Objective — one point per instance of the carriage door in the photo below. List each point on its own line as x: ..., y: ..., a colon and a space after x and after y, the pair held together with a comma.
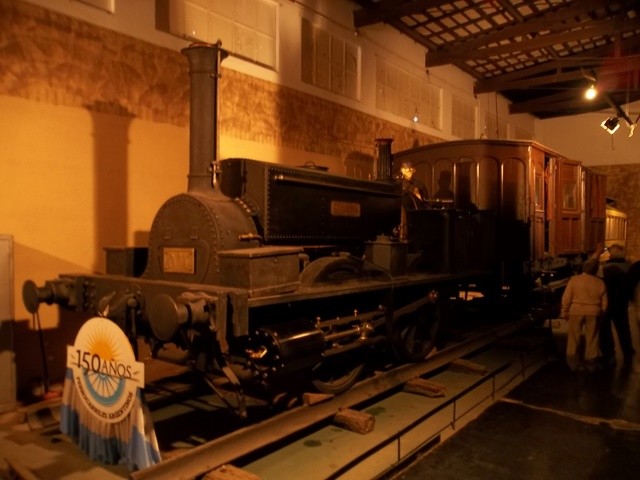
x: 594, y: 209
x: 538, y: 207
x: 568, y: 233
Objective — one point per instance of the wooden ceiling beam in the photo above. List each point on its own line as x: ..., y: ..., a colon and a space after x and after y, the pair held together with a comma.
x: 554, y: 47
x: 590, y: 30
x: 508, y: 6
x: 572, y: 100
x: 549, y: 68
x: 553, y: 21
x: 540, y: 81
x: 560, y: 20
x: 576, y: 104
x: 409, y: 32
x: 602, y: 70
x: 554, y: 98
x: 389, y: 10
x: 557, y: 20
x: 569, y: 105
x: 598, y: 58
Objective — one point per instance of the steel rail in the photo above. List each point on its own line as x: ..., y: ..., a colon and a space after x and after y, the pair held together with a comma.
x: 226, y: 449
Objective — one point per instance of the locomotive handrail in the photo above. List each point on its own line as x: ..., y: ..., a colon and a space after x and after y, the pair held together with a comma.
x: 317, y: 183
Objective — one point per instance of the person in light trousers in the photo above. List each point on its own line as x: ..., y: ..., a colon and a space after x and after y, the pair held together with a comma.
x: 584, y: 301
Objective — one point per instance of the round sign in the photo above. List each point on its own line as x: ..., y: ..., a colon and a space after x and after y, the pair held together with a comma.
x: 105, y: 372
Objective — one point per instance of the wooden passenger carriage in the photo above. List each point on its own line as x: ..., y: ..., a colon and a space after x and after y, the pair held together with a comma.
x: 558, y: 203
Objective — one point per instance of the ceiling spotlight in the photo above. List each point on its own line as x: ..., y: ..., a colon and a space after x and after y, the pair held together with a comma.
x: 611, y: 124
x: 591, y: 92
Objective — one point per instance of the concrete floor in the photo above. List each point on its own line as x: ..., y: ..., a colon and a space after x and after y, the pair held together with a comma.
x: 558, y: 424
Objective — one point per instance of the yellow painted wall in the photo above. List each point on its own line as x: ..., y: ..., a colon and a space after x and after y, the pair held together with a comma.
x: 69, y: 177
x: 69, y: 180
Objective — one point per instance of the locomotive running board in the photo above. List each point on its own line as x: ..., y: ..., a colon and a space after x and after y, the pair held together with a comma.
x: 228, y: 448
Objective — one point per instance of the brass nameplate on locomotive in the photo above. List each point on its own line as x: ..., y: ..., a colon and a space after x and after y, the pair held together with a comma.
x: 345, y: 209
x: 179, y: 260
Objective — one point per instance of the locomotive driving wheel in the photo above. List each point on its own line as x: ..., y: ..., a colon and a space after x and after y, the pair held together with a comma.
x: 336, y: 373
x: 331, y: 270
x: 340, y: 269
x: 414, y: 328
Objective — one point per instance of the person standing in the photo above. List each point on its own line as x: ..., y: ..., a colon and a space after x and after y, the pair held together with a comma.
x: 619, y: 291
x: 583, y: 302
x: 415, y: 193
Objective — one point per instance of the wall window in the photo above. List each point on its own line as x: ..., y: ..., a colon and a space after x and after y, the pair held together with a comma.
x: 408, y: 96
x: 329, y: 62
x: 463, y: 117
x: 246, y: 28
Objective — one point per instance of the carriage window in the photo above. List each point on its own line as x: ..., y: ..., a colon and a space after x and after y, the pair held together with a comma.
x: 424, y: 174
x: 513, y: 189
x: 488, y: 191
x: 465, y: 183
x: 442, y: 186
x: 569, y: 196
x: 538, y: 191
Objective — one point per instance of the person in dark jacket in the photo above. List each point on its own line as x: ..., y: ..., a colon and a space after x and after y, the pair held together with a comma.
x: 615, y: 275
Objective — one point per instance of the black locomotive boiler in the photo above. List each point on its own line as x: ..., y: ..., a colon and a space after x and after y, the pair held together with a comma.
x: 261, y: 272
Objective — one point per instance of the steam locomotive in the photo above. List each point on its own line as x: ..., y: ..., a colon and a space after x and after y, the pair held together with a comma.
x: 261, y: 272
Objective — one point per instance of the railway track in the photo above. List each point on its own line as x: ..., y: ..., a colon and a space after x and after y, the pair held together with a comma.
x: 201, y: 439
x: 273, y: 448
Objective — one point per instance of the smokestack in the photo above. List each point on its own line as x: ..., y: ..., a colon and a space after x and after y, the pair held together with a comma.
x: 383, y: 164
x: 204, y: 70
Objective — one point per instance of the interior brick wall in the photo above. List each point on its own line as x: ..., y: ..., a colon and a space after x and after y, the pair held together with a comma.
x: 49, y: 57
x: 52, y: 58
